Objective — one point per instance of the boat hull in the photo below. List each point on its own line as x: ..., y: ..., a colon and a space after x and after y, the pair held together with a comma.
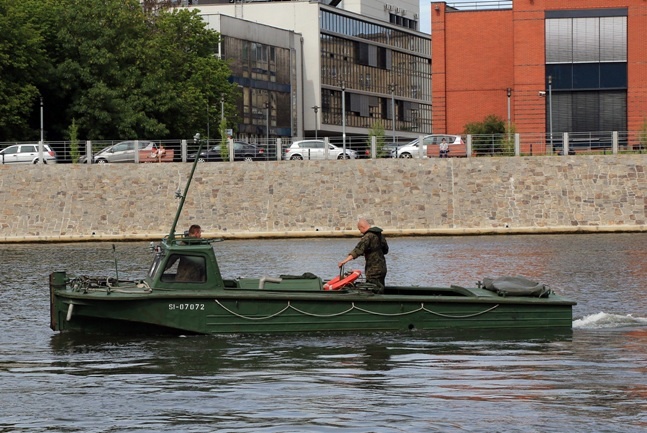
x: 244, y: 311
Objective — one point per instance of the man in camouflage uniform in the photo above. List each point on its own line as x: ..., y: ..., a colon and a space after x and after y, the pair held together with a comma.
x: 373, y: 247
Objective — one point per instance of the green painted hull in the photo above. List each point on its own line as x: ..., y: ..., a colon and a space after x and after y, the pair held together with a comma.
x: 236, y: 310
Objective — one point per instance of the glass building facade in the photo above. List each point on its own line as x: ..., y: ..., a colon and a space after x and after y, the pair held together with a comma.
x: 385, y: 73
x: 264, y: 75
x: 586, y: 68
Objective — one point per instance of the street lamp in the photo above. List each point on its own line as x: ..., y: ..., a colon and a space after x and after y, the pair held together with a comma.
x: 222, y: 107
x: 392, y: 88
x: 343, y: 116
x: 509, y: 90
x: 267, y: 120
x: 550, y: 109
x: 316, y: 109
x: 509, y: 94
x: 42, y: 135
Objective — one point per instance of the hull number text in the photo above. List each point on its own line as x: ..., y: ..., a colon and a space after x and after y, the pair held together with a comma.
x: 186, y: 307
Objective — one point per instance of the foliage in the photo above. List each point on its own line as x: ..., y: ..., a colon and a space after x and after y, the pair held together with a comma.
x: 74, y: 141
x: 642, y: 135
x: 224, y: 148
x: 487, y: 135
x: 507, y: 141
x: 119, y: 71
x: 21, y: 60
x: 377, y: 131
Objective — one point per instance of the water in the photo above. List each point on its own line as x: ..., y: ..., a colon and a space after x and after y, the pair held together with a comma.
x: 590, y: 380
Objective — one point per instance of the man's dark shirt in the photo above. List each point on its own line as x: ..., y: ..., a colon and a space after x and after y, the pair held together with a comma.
x: 373, y: 247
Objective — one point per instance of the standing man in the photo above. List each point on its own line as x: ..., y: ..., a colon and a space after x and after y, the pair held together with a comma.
x: 373, y: 247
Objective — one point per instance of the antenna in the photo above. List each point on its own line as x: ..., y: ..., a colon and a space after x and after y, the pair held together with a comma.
x: 171, y: 235
x: 114, y: 253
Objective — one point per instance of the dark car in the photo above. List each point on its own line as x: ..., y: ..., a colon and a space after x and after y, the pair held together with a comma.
x: 242, y: 152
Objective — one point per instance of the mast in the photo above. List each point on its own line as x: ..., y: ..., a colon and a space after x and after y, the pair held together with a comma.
x: 171, y: 235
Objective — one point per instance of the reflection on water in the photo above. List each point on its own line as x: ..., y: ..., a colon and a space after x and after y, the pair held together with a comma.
x: 443, y: 381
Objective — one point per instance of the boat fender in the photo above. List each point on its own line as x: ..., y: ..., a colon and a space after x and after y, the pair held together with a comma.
x: 338, y: 283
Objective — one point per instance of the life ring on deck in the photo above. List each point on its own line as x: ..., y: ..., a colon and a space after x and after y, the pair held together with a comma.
x: 338, y: 283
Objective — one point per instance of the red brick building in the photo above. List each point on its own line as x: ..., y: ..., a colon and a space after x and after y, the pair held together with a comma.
x: 594, y: 51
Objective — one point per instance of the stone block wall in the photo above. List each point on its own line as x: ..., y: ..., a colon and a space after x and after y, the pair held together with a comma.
x: 324, y: 198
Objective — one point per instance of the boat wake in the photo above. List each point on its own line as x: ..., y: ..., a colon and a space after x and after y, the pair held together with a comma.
x: 605, y: 320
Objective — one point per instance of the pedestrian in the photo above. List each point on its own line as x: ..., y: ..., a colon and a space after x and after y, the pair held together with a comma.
x: 444, y: 148
x: 373, y: 247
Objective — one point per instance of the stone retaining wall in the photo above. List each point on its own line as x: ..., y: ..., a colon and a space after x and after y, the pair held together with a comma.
x: 324, y: 198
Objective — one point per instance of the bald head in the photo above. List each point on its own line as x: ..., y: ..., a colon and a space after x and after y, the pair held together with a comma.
x: 363, y: 225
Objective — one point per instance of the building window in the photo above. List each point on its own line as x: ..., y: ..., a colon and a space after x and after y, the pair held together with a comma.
x: 586, y: 58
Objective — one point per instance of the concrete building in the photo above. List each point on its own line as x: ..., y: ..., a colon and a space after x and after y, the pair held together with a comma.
x: 309, y: 68
x: 560, y: 66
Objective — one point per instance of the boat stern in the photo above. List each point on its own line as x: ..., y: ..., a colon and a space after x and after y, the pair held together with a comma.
x: 57, y: 281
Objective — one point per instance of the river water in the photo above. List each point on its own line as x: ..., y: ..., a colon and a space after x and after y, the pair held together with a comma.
x: 591, y: 380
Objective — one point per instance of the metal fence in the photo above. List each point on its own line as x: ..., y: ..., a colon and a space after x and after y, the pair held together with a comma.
x: 491, y: 145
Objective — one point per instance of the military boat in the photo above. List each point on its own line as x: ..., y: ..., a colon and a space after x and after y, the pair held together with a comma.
x: 170, y: 300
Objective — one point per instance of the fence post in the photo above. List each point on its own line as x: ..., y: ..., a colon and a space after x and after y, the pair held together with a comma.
x: 183, y: 150
x: 468, y: 145
x: 373, y: 147
x: 89, y: 157
x: 421, y: 147
x: 565, y: 145
x: 327, y: 148
x: 517, y: 144
x: 136, y: 151
x: 279, y: 148
x: 230, y: 145
x: 614, y: 145
x: 40, y: 152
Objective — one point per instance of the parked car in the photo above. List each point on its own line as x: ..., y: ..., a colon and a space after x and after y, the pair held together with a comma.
x: 242, y: 152
x: 26, y: 154
x: 389, y: 148
x: 124, y: 151
x: 315, y: 149
x: 431, y: 147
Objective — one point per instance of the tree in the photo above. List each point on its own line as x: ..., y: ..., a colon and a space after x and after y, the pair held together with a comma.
x: 377, y: 130
x: 119, y: 72
x: 487, y: 135
x: 21, y: 60
x: 193, y: 78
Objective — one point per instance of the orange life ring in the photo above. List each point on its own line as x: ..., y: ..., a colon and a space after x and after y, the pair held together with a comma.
x: 338, y: 283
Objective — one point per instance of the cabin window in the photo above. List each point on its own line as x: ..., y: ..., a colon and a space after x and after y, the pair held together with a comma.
x: 155, y: 265
x: 185, y: 268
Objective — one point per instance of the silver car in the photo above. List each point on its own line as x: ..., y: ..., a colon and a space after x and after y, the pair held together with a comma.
x: 316, y: 149
x: 123, y: 151
x: 26, y: 154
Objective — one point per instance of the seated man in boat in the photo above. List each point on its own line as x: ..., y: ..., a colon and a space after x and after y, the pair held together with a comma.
x: 189, y: 268
x: 373, y: 247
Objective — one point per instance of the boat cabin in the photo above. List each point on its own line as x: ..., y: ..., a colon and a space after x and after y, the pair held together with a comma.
x: 185, y: 263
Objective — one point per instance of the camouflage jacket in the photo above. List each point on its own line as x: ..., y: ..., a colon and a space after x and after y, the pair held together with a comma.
x: 373, y: 247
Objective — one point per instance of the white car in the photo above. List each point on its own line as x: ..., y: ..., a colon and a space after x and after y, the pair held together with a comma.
x: 26, y: 154
x: 431, y: 147
x: 316, y: 149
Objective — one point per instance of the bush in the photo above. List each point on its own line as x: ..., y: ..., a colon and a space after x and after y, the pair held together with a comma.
x: 488, y: 136
x: 377, y: 131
